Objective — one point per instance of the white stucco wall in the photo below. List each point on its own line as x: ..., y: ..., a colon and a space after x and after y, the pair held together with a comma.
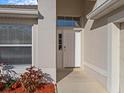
x: 101, y: 53
x: 101, y: 49
x: 96, y: 47
x: 46, y: 37
x: 95, y: 53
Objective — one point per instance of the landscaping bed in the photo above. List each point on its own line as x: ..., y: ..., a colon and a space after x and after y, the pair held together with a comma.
x: 47, y: 88
x: 32, y: 81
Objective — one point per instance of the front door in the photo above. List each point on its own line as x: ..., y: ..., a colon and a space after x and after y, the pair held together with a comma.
x: 68, y: 48
x: 65, y: 47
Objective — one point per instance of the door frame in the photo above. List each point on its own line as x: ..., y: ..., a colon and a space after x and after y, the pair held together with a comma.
x: 75, y: 29
x: 62, y: 45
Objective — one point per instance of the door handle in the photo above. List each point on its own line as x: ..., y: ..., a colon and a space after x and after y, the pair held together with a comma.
x: 64, y: 48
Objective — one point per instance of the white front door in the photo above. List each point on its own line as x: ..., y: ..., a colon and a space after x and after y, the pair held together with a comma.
x: 68, y: 48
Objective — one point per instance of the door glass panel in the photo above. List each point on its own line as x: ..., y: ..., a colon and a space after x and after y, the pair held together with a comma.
x: 60, y: 41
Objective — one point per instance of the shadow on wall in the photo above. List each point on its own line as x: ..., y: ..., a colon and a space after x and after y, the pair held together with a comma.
x: 101, y: 22
x: 62, y: 73
x: 40, y: 16
x: 109, y: 18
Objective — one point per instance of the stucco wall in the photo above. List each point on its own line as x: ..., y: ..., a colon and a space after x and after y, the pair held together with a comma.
x: 101, y: 49
x: 96, y: 47
x: 95, y: 51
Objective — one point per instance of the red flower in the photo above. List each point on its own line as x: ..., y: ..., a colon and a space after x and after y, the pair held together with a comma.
x: 16, y: 85
x: 2, y: 86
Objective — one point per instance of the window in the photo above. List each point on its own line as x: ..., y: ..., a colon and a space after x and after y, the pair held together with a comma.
x: 15, y: 44
x: 68, y: 21
x: 60, y: 41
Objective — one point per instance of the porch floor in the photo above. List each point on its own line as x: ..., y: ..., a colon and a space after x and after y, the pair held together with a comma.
x: 78, y: 82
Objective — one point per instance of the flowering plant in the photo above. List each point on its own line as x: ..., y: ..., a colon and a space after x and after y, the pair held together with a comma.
x: 7, y: 76
x: 32, y: 79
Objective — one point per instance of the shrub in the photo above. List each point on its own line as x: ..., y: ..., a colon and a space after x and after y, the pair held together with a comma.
x: 30, y: 81
x: 7, y: 76
x: 33, y: 78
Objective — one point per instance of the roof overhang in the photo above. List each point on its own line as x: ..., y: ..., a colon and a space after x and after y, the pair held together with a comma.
x: 107, y: 7
x: 19, y: 13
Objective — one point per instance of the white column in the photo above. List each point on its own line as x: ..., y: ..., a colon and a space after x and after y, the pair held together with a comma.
x: 113, y: 57
x: 34, y: 43
x: 82, y: 49
x: 77, y: 49
x: 47, y: 37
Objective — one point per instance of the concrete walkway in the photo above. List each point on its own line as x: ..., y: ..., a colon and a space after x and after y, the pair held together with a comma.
x: 78, y: 82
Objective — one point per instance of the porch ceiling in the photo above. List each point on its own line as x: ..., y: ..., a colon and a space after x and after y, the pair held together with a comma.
x: 73, y: 8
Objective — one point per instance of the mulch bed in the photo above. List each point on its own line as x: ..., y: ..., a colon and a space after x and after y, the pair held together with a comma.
x: 47, y: 88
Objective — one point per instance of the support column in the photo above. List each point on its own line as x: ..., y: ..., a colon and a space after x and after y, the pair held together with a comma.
x: 34, y: 43
x: 113, y: 57
x: 46, y: 42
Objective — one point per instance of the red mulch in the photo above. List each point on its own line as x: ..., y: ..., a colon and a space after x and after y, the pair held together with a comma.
x: 48, y: 88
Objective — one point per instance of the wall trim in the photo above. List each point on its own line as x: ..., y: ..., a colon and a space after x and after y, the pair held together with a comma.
x: 96, y: 69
